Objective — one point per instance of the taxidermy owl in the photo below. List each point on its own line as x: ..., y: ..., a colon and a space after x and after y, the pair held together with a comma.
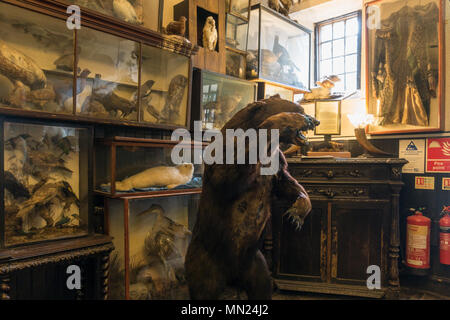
x: 210, y: 34
x: 125, y: 11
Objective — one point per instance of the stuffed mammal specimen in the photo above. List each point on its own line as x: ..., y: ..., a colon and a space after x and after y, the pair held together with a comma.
x: 236, y: 203
x: 169, y: 177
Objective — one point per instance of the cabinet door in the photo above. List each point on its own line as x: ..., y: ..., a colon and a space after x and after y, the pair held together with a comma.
x: 359, y: 232
x: 302, y: 254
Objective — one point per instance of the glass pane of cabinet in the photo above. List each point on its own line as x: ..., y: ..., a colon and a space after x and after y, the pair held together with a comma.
x: 279, y: 49
x: 46, y: 182
x: 36, y: 61
x: 107, y: 83
x: 139, y: 12
x: 165, y: 87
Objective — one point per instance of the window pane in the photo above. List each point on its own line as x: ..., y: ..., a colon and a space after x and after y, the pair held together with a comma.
x: 351, y: 63
x: 339, y: 86
x: 352, y: 27
x: 350, y: 82
x: 338, y: 48
x: 338, y: 66
x: 326, y: 68
x: 326, y: 51
x: 338, y: 29
x: 351, y: 44
x: 326, y: 33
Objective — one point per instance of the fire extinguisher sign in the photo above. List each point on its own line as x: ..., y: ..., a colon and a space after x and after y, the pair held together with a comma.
x: 438, y: 155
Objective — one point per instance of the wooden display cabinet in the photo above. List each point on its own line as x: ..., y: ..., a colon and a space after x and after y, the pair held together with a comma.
x: 118, y: 158
x: 196, y: 12
x: 354, y: 224
x: 109, y: 71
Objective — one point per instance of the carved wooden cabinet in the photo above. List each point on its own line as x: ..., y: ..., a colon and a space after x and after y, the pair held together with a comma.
x: 354, y: 224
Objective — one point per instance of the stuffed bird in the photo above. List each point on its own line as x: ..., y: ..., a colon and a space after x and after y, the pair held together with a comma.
x: 210, y: 34
x: 125, y: 11
x: 177, y: 27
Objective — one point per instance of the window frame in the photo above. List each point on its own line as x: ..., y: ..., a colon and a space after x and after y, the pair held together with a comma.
x: 317, y: 43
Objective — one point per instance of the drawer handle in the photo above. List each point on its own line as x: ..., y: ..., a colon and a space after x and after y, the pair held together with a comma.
x: 329, y: 193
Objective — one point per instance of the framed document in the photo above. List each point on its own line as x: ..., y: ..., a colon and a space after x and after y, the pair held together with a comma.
x: 329, y: 115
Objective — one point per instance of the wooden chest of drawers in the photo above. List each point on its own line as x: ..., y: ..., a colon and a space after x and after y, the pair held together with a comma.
x: 354, y: 225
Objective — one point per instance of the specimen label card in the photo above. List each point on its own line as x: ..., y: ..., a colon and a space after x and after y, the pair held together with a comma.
x: 413, y: 150
x: 438, y: 155
x: 425, y: 183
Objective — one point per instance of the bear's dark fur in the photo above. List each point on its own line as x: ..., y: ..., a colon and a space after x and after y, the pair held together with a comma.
x: 236, y: 203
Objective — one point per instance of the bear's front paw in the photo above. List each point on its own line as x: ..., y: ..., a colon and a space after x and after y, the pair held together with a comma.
x: 298, y: 212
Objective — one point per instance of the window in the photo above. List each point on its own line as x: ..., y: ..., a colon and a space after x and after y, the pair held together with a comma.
x: 338, y: 51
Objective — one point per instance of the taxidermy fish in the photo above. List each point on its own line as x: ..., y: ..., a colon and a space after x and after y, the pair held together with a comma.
x: 125, y: 11
x: 169, y: 177
x: 17, y: 66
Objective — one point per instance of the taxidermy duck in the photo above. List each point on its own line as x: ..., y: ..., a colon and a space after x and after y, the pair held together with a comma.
x: 125, y: 11
x: 210, y: 34
x: 177, y: 27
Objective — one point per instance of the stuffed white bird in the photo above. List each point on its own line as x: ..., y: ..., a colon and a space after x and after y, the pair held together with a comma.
x: 210, y: 34
x: 125, y: 11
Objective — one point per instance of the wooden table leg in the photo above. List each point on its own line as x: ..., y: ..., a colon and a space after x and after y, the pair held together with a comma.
x: 104, y: 275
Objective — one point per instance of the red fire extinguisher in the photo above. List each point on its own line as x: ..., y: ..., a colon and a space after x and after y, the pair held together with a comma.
x: 418, y: 240
x: 444, y: 226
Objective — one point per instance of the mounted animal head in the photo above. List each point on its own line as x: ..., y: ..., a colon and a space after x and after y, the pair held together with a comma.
x: 275, y: 113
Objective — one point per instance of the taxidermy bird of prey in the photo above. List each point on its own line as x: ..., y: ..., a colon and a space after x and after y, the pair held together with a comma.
x: 177, y: 27
x: 284, y: 58
x: 125, y: 11
x: 210, y: 34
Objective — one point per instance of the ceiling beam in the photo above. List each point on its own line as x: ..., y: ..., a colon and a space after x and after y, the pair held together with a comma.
x: 305, y: 4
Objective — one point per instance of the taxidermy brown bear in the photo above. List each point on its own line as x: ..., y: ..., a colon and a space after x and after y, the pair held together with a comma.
x: 236, y: 203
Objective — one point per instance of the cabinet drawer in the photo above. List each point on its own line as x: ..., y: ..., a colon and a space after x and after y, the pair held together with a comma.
x: 327, y: 191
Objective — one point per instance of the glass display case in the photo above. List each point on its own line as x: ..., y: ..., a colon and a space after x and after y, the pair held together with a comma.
x: 107, y: 83
x: 165, y: 87
x: 236, y: 32
x: 45, y: 182
x: 139, y: 12
x: 151, y: 236
x: 220, y: 97
x: 135, y: 166
x: 278, y: 49
x: 36, y: 61
x: 238, y: 7
x: 266, y: 90
x: 94, y: 76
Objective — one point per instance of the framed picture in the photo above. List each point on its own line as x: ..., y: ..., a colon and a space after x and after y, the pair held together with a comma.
x: 404, y: 65
x: 329, y: 115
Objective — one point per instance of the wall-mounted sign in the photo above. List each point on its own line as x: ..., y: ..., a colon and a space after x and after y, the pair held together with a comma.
x: 446, y: 184
x: 424, y: 183
x: 438, y: 155
x: 413, y: 150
